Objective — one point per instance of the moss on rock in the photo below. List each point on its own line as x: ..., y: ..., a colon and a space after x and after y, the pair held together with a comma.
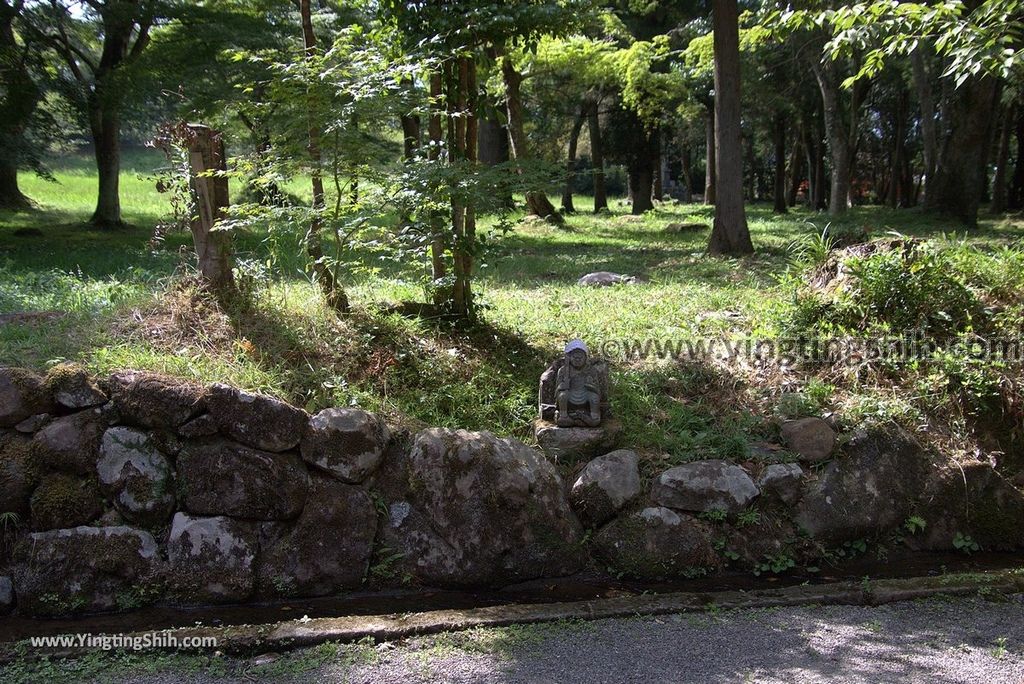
x: 62, y: 501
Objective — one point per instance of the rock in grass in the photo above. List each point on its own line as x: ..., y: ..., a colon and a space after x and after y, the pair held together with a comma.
x: 347, y: 443
x: 224, y: 478
x: 85, y: 569
x: 605, y: 279
x: 677, y: 228
x: 22, y: 394
x: 705, y: 486
x: 256, y: 420
x: 136, y: 476
x: 656, y: 543
x: 212, y: 560
x: 605, y: 485
x: 812, y: 439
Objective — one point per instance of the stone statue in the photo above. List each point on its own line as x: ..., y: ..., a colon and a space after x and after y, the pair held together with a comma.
x: 577, y: 393
x: 574, y: 389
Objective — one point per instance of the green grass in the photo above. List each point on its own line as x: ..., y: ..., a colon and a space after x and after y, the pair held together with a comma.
x: 123, y: 304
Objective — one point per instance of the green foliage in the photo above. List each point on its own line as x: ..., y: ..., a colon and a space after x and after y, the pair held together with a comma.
x: 965, y: 544
x: 915, y: 524
x: 775, y: 564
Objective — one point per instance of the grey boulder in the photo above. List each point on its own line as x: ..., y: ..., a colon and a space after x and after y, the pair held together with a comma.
x: 22, y: 394
x: 781, y: 481
x: 656, y: 543
x: 154, y: 401
x: 84, y: 569
x: 256, y: 420
x: 211, y: 559
x: 605, y: 485
x: 704, y: 486
x: 327, y: 548
x: 347, y: 443
x: 469, y: 508
x: 136, y: 476
x: 224, y: 478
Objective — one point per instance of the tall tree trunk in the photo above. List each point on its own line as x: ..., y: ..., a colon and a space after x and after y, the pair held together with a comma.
x: 641, y: 185
x: 410, y: 135
x: 686, y: 164
x: 999, y: 183
x: 781, y: 206
x: 336, y: 297
x: 926, y: 101
x: 537, y: 201
x: 960, y: 171
x: 105, y: 126
x: 20, y: 97
x: 1016, y: 199
x: 899, y: 144
x: 710, y: 176
x: 660, y: 171
x: 837, y: 134
x: 210, y: 196
x: 438, y: 269
x: 597, y: 155
x: 795, y: 168
x: 570, y: 165
x: 730, y: 234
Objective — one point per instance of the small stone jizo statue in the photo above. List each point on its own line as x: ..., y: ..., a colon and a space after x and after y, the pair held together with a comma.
x: 578, y: 389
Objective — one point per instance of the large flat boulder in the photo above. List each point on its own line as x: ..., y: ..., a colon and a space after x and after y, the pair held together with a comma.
x: 605, y: 485
x: 22, y: 394
x: 212, y: 560
x: 327, y: 548
x: 154, y: 401
x: 136, y: 476
x: 256, y: 420
x: 220, y: 477
x: 71, y: 444
x: 347, y: 443
x: 85, y: 569
x: 656, y: 543
x: 970, y: 500
x: 868, y: 490
x: 705, y: 486
x: 73, y: 388
x: 472, y: 509
x: 570, y: 444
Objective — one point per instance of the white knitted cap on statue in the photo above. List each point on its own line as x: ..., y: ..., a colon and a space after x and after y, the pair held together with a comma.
x: 573, y: 345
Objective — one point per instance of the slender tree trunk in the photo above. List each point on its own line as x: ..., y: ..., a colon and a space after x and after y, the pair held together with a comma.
x: 795, y: 175
x: 999, y: 183
x: 686, y: 163
x: 570, y: 165
x: 597, y: 156
x: 438, y: 269
x: 710, y: 176
x: 926, y: 101
x: 781, y: 206
x: 641, y: 185
x: 660, y: 171
x: 336, y: 297
x: 410, y: 135
x: 837, y: 136
x: 895, y: 197
x: 1016, y: 199
x: 730, y: 234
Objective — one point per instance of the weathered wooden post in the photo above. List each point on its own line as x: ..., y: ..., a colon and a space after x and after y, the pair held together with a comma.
x: 209, y: 184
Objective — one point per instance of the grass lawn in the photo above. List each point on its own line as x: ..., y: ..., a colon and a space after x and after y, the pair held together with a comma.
x: 120, y: 301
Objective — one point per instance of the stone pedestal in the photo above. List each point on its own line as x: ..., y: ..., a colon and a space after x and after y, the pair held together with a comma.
x: 577, y: 443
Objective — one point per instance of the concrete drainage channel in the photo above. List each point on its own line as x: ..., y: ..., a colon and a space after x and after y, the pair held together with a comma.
x: 282, y: 636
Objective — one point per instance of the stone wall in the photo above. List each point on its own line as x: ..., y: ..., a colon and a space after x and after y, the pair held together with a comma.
x: 139, y: 488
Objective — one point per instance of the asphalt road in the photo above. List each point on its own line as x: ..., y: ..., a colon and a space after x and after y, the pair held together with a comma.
x: 935, y: 641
